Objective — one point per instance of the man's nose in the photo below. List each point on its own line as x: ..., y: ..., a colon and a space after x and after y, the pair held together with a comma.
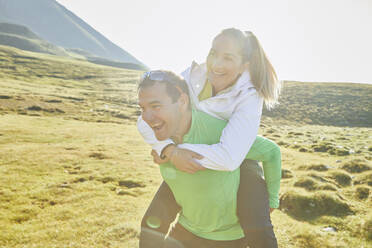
x: 147, y: 116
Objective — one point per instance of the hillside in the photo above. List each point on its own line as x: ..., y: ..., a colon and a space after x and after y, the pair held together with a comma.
x: 54, y: 23
x: 21, y: 37
x: 20, y: 30
x: 74, y: 172
x: 68, y: 86
x: 336, y: 104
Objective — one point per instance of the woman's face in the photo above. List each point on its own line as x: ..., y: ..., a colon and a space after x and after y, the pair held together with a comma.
x: 224, y: 63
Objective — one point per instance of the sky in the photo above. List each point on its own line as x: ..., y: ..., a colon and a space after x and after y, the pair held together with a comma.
x: 305, y: 40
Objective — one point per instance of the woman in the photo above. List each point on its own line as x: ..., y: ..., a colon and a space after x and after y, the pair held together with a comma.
x: 233, y: 85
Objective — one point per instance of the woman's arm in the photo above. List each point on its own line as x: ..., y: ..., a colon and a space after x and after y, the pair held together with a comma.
x: 236, y: 139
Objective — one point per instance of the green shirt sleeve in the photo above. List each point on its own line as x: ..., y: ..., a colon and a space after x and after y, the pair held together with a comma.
x: 269, y: 154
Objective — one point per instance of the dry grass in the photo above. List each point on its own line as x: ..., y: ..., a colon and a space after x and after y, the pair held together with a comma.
x: 83, y: 177
x: 51, y: 182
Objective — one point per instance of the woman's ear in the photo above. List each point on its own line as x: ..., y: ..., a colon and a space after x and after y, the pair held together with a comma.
x: 244, y: 67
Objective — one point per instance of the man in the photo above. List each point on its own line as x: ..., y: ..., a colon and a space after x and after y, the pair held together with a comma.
x: 208, y: 198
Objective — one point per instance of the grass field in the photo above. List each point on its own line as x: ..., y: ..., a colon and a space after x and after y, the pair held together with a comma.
x: 74, y: 172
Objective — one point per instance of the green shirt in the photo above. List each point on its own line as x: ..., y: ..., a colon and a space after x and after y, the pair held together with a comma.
x: 263, y: 150
x: 208, y: 198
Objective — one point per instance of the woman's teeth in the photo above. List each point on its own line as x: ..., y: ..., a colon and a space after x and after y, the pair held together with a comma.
x: 218, y: 73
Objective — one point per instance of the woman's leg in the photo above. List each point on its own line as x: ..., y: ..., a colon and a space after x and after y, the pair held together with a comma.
x: 253, y: 208
x: 160, y: 214
x: 269, y: 154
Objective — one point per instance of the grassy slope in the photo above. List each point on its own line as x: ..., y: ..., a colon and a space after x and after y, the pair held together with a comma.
x: 23, y: 38
x: 75, y: 173
x: 336, y: 104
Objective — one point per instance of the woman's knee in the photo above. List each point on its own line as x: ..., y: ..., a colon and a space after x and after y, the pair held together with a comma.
x: 273, y: 151
x: 276, y: 150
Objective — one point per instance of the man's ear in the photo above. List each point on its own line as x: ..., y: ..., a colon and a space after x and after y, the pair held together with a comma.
x: 184, y: 101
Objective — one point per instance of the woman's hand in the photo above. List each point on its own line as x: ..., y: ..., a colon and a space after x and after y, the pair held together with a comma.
x: 184, y: 160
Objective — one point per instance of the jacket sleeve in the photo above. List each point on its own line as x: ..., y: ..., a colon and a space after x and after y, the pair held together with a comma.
x: 149, y: 136
x: 236, y: 139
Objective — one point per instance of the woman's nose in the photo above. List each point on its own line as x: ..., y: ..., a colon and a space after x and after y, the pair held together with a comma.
x: 217, y: 63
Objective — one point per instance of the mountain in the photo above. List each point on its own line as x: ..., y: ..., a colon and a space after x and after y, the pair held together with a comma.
x: 23, y: 38
x: 52, y: 22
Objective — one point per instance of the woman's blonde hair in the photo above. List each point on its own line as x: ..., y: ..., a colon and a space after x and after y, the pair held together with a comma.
x: 262, y: 73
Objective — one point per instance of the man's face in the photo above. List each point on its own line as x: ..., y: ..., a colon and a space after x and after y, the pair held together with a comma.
x: 159, y: 111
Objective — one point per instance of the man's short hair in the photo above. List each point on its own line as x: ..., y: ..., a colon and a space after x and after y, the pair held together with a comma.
x: 174, y: 83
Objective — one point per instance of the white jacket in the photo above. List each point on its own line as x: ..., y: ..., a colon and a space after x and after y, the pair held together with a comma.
x: 240, y: 105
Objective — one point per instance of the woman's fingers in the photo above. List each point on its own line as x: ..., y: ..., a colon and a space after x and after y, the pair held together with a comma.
x: 191, y: 166
x: 195, y: 165
x: 196, y: 155
x: 187, y: 169
x: 184, y: 160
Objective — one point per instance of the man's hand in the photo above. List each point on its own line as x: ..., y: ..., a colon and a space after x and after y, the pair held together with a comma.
x: 157, y: 159
x: 184, y: 160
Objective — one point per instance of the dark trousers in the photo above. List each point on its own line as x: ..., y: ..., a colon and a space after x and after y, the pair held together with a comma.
x: 186, y: 239
x: 253, y: 212
x: 253, y: 208
x: 159, y: 215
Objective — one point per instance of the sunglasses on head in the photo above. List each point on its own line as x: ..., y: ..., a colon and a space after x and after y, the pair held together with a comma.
x: 156, y: 76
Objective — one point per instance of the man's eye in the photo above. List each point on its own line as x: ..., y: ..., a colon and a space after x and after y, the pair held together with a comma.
x: 156, y: 106
x: 228, y: 58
